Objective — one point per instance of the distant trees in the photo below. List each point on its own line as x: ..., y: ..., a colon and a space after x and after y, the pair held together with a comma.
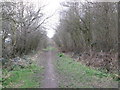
x: 22, y: 29
x: 88, y: 26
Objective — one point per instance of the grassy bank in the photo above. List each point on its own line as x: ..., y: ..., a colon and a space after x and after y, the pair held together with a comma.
x: 22, y: 77
x: 73, y: 74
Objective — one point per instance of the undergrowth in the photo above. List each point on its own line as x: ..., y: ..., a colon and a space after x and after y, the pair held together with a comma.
x: 21, y: 77
x: 73, y: 74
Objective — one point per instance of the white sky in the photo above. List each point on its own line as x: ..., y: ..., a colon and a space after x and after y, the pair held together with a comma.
x: 52, y: 8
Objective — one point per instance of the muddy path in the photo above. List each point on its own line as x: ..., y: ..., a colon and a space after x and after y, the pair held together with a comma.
x: 46, y: 59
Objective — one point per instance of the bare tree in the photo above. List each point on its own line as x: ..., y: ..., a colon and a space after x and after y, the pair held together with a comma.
x: 22, y: 28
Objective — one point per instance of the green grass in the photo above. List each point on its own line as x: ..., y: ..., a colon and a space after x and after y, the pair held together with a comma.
x: 22, y: 78
x: 0, y: 78
x: 73, y: 74
x: 49, y: 48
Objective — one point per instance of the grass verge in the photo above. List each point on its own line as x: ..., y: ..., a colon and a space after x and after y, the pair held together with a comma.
x: 22, y: 78
x: 73, y: 74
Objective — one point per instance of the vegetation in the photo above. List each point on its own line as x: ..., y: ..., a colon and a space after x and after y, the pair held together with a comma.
x: 49, y: 48
x: 22, y: 29
x: 86, y: 29
x: 22, y: 77
x: 22, y: 33
x: 85, y: 26
x: 73, y: 74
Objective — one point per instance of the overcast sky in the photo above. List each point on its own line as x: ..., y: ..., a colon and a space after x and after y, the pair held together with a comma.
x: 52, y: 8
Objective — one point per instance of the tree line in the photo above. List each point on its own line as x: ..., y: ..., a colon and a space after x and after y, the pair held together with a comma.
x: 90, y: 31
x: 22, y: 28
x: 88, y: 26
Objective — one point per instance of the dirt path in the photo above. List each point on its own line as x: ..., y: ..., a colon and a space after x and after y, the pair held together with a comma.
x: 49, y: 76
x: 46, y: 59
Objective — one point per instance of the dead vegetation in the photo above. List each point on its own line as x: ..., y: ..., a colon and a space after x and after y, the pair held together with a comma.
x: 101, y: 60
